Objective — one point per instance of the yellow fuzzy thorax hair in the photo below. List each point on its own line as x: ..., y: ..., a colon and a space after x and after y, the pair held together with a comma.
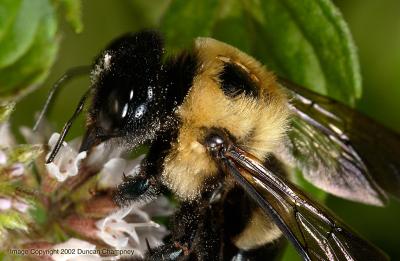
x: 258, y: 124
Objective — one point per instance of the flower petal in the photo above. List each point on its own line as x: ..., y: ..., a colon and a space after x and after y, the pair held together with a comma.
x: 5, y: 203
x: 17, y: 170
x: 20, y: 206
x: 112, y: 172
x: 7, y: 139
x: 66, y: 163
x: 113, y: 240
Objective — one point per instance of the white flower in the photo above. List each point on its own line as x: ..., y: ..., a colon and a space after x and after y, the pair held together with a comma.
x: 8, y: 203
x: 66, y: 163
x: 20, y: 206
x: 115, y: 231
x: 127, y: 228
x: 17, y: 170
x: 112, y: 173
x: 120, y: 234
x: 3, y: 158
x: 14, y: 170
x: 75, y: 245
x: 68, y: 160
x: 102, y: 153
x: 40, y: 136
x: 6, y: 138
x: 5, y: 203
x: 154, y: 235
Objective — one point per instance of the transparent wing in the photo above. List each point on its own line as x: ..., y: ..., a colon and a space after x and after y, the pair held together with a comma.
x: 340, y: 150
x: 315, y: 233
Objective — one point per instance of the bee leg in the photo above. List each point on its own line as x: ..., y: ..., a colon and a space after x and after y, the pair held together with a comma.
x: 174, y: 251
x: 179, y: 246
x: 196, y: 234
x: 166, y: 253
x: 209, y: 239
x: 139, y: 188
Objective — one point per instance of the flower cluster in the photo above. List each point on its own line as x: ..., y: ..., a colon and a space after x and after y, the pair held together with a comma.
x: 68, y: 202
x: 15, y: 201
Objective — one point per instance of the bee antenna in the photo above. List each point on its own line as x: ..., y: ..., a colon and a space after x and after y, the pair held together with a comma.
x: 67, y: 126
x: 68, y: 75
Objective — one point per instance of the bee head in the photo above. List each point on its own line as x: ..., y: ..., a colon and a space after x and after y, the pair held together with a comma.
x: 128, y: 92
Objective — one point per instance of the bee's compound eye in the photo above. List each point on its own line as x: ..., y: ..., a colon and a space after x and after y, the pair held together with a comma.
x: 119, y: 105
x: 118, y: 110
x: 114, y: 111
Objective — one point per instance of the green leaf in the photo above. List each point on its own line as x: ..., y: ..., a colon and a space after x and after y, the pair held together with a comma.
x: 8, y: 11
x: 185, y: 20
x: 20, y: 35
x: 307, y: 42
x: 148, y: 13
x: 28, y: 48
x: 230, y: 26
x: 73, y: 14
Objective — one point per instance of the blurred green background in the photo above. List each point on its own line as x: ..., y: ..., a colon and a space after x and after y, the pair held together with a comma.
x: 375, y: 26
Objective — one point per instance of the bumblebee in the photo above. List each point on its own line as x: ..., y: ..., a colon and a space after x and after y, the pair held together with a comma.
x: 220, y: 129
